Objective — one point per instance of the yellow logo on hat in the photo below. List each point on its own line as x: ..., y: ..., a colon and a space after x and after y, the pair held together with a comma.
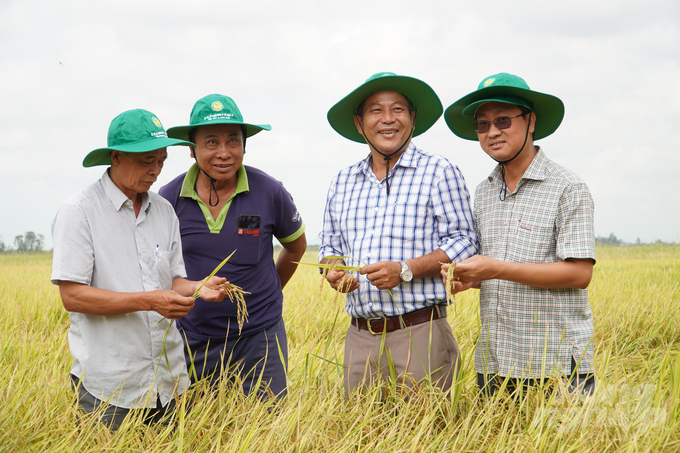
x: 217, y: 106
x: 156, y: 121
x: 488, y: 82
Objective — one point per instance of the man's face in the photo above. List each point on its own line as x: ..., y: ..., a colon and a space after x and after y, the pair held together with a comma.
x: 219, y: 150
x: 503, y: 144
x: 386, y: 120
x: 135, y: 173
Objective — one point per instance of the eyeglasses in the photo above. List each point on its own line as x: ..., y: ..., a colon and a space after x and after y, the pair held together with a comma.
x: 502, y: 122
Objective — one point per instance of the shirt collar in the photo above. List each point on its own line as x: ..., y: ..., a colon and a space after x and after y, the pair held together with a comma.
x: 535, y: 171
x: 407, y: 159
x: 189, y: 182
x: 117, y: 197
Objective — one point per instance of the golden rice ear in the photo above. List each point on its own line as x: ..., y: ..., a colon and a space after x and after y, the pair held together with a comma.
x: 449, y: 281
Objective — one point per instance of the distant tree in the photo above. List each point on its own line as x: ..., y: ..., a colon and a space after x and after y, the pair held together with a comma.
x: 611, y: 240
x: 29, y: 242
x: 2, y: 245
x: 19, y: 243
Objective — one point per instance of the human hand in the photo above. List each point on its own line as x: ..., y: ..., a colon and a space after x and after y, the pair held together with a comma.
x: 477, y: 268
x: 342, y: 281
x: 170, y: 304
x: 454, y: 286
x: 212, y: 290
x: 383, y: 274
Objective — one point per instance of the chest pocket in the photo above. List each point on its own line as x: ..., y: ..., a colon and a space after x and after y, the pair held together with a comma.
x: 248, y: 240
x: 535, y: 240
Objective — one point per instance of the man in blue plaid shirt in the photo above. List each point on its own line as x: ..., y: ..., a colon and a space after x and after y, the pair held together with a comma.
x: 536, y: 243
x: 398, y: 214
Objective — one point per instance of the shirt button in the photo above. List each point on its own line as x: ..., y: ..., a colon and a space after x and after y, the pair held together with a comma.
x: 368, y: 254
x: 380, y: 186
x: 209, y: 218
x: 370, y: 304
x: 375, y: 209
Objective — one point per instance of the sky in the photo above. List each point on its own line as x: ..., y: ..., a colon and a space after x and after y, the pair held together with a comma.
x: 69, y: 67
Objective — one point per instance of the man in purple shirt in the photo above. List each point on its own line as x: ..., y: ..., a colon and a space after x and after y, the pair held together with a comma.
x: 224, y: 206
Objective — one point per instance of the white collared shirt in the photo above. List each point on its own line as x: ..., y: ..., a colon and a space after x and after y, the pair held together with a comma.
x: 98, y: 241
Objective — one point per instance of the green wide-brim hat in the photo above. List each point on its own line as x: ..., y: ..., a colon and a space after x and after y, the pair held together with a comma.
x: 425, y: 101
x: 215, y: 109
x: 510, y: 89
x: 133, y: 131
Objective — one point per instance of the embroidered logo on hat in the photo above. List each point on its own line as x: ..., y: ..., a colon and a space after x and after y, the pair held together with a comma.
x: 156, y: 121
x: 488, y: 82
x: 217, y: 106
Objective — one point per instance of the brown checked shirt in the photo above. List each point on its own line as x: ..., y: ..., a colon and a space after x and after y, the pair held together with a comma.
x: 530, y: 332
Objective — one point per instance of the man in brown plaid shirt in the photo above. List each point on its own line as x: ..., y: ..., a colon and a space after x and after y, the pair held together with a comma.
x: 534, y: 220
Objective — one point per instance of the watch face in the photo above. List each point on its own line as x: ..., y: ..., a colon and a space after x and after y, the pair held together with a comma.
x: 407, y: 276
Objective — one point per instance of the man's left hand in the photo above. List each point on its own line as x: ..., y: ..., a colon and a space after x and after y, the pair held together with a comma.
x: 215, y: 295
x: 383, y: 275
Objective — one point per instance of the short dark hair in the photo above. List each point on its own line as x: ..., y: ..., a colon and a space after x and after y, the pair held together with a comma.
x: 360, y: 107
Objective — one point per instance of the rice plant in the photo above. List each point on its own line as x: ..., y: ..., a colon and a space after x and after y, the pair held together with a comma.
x: 635, y: 297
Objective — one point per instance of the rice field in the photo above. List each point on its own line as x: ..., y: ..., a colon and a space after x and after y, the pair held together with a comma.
x: 635, y: 296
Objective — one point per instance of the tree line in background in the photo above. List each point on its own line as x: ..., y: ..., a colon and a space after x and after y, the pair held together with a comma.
x: 613, y: 240
x: 35, y: 243
x: 28, y: 243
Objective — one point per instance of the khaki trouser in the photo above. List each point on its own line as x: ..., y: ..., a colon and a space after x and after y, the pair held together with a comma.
x: 427, y: 350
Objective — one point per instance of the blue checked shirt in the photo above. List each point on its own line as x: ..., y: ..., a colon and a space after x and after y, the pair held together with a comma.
x: 428, y: 208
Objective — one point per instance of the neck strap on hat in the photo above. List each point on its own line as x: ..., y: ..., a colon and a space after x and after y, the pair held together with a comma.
x: 387, y: 157
x: 213, y: 180
x: 212, y: 185
x: 504, y: 189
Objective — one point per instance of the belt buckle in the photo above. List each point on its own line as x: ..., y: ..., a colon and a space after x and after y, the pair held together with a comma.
x: 370, y: 329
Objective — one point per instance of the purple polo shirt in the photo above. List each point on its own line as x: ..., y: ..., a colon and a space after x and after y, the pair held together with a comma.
x: 247, y: 224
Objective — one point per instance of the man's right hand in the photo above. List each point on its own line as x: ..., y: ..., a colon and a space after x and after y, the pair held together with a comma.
x: 170, y: 304
x: 342, y: 281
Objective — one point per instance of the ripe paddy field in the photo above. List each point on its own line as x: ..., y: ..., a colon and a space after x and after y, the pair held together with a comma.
x: 635, y: 297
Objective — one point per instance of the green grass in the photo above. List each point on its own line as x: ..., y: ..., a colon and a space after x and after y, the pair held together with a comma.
x: 635, y: 296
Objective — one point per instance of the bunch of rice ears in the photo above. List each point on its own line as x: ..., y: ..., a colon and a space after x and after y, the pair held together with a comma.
x: 449, y: 280
x: 233, y: 292
x: 336, y: 265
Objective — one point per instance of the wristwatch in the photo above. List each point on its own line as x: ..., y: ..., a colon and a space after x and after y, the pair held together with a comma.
x: 406, y: 274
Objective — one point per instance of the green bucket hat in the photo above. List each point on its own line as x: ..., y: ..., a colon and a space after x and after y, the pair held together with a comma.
x: 510, y: 89
x: 215, y: 109
x: 424, y: 99
x: 134, y: 131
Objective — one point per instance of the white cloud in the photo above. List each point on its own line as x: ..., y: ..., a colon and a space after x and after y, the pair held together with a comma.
x: 69, y: 67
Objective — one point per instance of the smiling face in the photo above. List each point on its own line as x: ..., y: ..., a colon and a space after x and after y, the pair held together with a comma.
x: 385, y: 121
x: 503, y: 144
x: 219, y: 150
x: 135, y: 173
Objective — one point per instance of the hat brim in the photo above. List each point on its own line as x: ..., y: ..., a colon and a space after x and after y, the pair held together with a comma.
x: 424, y: 99
x: 549, y: 110
x: 102, y: 156
x: 182, y: 132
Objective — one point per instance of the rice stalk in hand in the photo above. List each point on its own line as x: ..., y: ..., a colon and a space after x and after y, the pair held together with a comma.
x: 219, y: 266
x: 196, y: 295
x: 449, y: 282
x: 234, y: 292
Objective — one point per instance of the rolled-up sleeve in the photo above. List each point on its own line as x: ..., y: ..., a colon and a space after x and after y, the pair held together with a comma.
x: 453, y: 213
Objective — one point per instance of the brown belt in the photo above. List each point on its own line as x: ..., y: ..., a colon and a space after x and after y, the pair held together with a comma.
x: 379, y: 325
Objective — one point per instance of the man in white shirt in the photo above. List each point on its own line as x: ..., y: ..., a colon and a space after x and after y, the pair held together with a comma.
x: 119, y: 267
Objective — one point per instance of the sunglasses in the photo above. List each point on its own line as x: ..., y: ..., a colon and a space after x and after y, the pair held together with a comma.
x: 502, y: 122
